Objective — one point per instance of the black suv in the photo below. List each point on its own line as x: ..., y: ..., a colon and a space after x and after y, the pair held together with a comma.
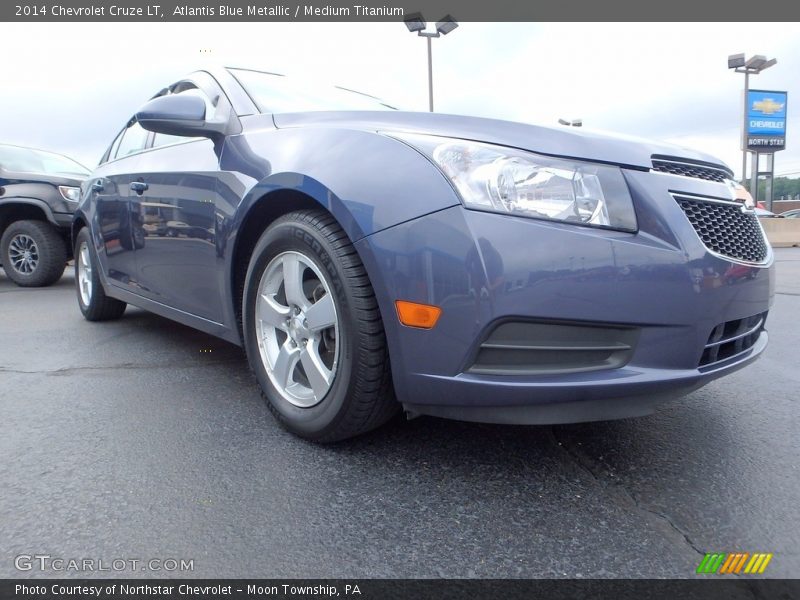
x: 39, y: 191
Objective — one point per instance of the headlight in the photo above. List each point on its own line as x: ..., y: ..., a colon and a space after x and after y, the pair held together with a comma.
x: 70, y: 194
x: 510, y: 181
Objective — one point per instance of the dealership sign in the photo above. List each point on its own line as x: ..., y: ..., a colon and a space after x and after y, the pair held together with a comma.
x: 765, y: 121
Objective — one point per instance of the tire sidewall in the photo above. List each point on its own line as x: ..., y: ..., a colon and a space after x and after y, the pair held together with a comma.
x: 83, y: 236
x: 295, y: 235
x: 36, y: 278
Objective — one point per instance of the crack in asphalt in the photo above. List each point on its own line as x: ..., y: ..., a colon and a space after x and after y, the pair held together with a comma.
x: 30, y: 290
x: 619, y: 491
x: 124, y: 366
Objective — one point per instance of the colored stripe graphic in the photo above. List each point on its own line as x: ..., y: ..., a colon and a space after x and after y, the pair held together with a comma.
x: 765, y: 563
x: 701, y: 568
x: 710, y: 563
x: 755, y: 564
x: 728, y: 562
x: 741, y: 562
x: 734, y: 562
x: 716, y: 564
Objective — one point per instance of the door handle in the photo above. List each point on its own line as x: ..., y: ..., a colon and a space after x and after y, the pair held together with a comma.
x: 97, y: 186
x: 139, y: 186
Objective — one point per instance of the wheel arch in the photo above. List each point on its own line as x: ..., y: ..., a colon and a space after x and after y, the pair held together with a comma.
x: 271, y: 199
x: 79, y: 221
x: 18, y: 209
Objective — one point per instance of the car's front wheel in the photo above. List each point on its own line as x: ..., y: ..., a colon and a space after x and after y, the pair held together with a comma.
x: 34, y: 253
x: 92, y: 299
x: 313, y: 332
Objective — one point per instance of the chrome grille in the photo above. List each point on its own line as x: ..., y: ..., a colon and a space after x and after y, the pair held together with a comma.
x: 725, y: 229
x: 689, y: 169
x: 729, y: 339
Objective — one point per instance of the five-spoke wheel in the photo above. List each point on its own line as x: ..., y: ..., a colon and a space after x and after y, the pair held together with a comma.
x: 297, y: 328
x: 92, y: 299
x: 313, y: 332
x: 84, y: 268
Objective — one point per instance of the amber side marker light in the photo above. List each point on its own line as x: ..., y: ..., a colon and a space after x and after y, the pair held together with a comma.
x: 412, y: 314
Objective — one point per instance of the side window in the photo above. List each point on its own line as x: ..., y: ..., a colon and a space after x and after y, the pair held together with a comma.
x: 112, y: 149
x: 164, y: 139
x: 133, y: 141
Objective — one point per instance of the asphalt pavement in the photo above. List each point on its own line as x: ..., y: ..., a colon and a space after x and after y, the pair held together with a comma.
x: 143, y: 439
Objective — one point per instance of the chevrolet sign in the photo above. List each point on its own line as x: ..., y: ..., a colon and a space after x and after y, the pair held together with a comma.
x: 765, y: 121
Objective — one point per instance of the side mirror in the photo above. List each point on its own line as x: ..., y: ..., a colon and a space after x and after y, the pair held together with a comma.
x: 180, y: 114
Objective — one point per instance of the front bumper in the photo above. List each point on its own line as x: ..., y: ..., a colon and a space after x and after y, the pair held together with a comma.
x: 615, y: 394
x: 63, y: 220
x: 486, y: 269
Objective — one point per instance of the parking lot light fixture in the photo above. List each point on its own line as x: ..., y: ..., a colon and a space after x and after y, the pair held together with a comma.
x: 735, y: 61
x: 417, y: 24
x: 756, y: 62
x: 446, y: 25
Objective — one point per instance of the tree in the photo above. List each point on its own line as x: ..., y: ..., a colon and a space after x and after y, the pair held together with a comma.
x: 787, y: 188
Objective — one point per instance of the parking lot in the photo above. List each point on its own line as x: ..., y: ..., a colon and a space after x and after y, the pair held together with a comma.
x: 144, y: 439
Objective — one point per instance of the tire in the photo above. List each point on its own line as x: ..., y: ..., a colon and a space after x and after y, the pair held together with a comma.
x: 340, y: 384
x: 92, y: 299
x: 34, y: 253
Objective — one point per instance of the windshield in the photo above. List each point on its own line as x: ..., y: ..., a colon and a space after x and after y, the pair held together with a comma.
x: 27, y: 160
x: 278, y: 94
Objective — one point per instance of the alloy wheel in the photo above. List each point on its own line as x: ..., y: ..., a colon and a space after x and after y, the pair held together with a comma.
x: 297, y: 329
x: 23, y: 254
x: 84, y: 274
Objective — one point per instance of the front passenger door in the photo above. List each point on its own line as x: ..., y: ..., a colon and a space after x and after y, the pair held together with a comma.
x: 179, y: 264
x: 110, y: 189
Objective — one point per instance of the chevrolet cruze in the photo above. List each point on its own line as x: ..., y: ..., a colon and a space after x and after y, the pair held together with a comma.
x: 371, y: 260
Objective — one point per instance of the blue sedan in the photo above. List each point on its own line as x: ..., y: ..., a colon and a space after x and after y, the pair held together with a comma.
x: 371, y: 260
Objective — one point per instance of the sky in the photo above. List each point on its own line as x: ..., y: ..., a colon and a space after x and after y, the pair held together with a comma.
x: 70, y: 88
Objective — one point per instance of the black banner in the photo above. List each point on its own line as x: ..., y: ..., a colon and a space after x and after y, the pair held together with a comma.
x: 388, y: 589
x: 393, y: 10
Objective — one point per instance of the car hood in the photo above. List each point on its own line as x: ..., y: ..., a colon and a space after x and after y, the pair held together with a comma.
x: 9, y: 176
x: 565, y: 142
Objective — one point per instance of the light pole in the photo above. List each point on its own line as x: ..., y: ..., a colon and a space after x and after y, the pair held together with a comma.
x: 750, y: 66
x: 416, y: 23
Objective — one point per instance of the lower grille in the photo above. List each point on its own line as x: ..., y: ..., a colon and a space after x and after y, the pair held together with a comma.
x: 732, y: 338
x: 528, y: 348
x: 725, y: 229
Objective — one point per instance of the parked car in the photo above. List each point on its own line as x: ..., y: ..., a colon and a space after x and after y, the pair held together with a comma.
x: 370, y: 259
x: 39, y: 191
x: 791, y: 214
x: 766, y: 214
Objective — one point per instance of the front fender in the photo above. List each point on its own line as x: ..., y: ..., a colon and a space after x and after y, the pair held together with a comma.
x: 79, y: 216
x: 368, y: 181
x: 41, y: 204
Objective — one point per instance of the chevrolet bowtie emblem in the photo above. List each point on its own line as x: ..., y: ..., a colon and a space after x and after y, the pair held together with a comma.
x: 768, y: 106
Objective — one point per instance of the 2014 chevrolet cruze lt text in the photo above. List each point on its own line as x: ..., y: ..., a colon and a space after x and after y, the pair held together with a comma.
x: 370, y: 259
